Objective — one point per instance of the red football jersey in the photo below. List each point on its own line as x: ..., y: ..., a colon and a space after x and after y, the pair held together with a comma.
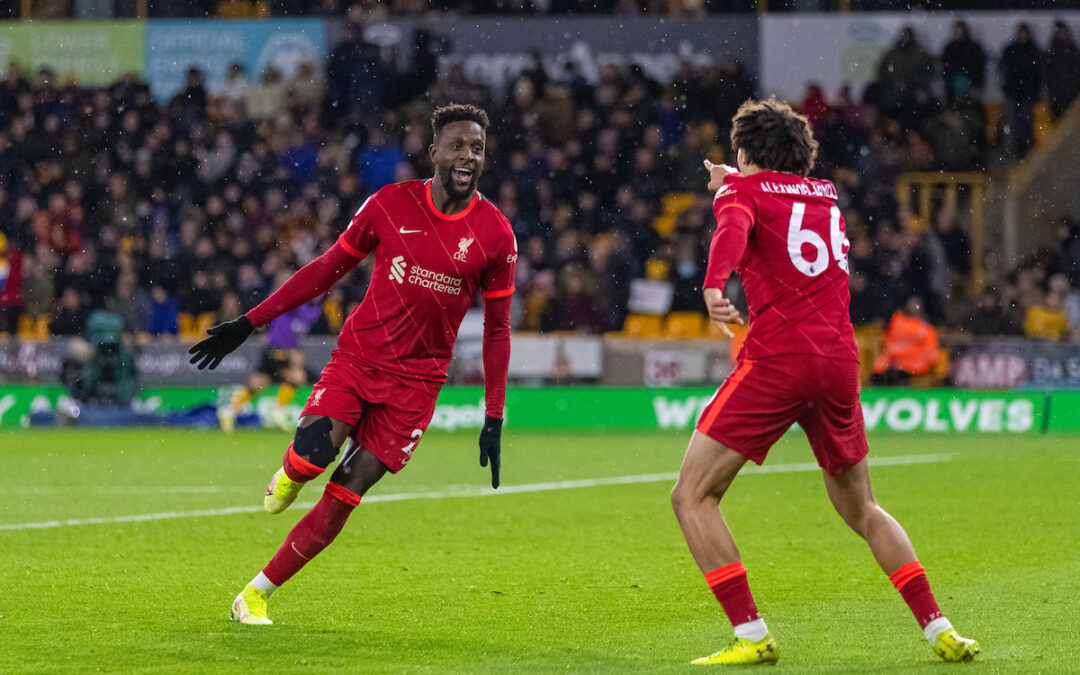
x: 428, y: 267
x: 793, y: 267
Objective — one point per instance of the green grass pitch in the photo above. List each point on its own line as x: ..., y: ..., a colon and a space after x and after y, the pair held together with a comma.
x: 566, y: 579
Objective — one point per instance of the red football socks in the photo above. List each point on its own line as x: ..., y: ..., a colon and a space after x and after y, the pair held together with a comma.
x: 729, y: 585
x: 312, y: 534
x: 911, y: 581
x: 299, y: 469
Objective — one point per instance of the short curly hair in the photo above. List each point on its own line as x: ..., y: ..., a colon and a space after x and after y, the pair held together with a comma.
x: 774, y: 136
x: 457, y: 112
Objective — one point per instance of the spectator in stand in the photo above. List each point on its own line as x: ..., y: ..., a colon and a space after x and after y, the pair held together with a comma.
x: 1062, y: 66
x: 963, y: 64
x: 356, y: 77
x: 132, y: 302
x: 904, y: 70
x: 378, y: 162
x: 200, y: 298
x: 863, y: 306
x: 266, y: 100
x: 236, y: 83
x: 814, y: 106
x: 1021, y: 68
x: 70, y: 316
x: 190, y: 103
x: 954, y: 241
x: 11, y: 286
x: 576, y: 307
x: 40, y: 280
x: 1046, y: 320
x: 910, y: 346
x: 993, y: 317
x: 164, y: 312
x: 305, y: 89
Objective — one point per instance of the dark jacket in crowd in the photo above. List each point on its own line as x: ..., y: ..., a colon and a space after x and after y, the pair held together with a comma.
x: 1062, y: 67
x: 1021, y: 71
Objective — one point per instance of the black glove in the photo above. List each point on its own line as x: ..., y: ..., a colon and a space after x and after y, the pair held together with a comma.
x: 224, y: 338
x: 491, y: 446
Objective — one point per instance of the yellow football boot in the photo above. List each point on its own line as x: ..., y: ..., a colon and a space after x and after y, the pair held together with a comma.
x: 281, y: 492
x: 250, y: 607
x: 951, y: 647
x: 744, y: 652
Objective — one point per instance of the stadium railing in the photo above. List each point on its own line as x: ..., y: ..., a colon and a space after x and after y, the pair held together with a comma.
x: 939, y: 190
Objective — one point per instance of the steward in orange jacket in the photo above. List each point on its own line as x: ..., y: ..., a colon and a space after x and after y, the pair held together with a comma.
x: 911, y: 344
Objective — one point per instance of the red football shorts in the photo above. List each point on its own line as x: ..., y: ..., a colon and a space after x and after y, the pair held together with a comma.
x: 388, y: 413
x: 761, y: 399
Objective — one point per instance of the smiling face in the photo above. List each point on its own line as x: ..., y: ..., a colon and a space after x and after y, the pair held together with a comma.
x: 458, y: 155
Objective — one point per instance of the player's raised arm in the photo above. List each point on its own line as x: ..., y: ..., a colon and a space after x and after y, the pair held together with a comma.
x: 734, y: 218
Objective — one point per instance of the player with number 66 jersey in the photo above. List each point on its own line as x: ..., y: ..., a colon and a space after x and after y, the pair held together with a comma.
x: 787, y: 242
x: 784, y: 234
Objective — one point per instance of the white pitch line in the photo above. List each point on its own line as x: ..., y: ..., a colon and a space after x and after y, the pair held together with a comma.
x: 123, y: 489
x: 467, y: 492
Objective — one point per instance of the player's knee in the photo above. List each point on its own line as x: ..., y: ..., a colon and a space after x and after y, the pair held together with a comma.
x: 314, y: 443
x: 677, y: 500
x: 685, y: 496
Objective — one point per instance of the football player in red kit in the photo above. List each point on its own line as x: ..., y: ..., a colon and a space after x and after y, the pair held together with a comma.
x: 436, y: 242
x: 784, y: 234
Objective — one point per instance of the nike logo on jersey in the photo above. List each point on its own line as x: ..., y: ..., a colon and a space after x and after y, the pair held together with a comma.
x: 404, y: 231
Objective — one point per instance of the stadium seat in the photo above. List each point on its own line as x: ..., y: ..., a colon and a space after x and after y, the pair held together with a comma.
x: 868, y: 339
x: 335, y: 318
x: 186, y: 323
x: 26, y: 328
x: 664, y: 224
x: 675, y: 203
x: 656, y: 269
x: 33, y: 329
x: 203, y: 322
x: 672, y: 205
x: 642, y: 326
x: 685, y: 326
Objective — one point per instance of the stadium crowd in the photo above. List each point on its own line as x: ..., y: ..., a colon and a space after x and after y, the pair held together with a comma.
x: 198, y: 206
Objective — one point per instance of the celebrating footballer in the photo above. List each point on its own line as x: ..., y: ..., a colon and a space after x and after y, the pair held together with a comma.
x: 435, y: 243
x: 784, y: 234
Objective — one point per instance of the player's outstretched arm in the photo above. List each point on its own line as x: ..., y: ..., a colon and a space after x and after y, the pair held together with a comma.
x: 224, y: 338
x: 308, y: 283
x: 496, y: 367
